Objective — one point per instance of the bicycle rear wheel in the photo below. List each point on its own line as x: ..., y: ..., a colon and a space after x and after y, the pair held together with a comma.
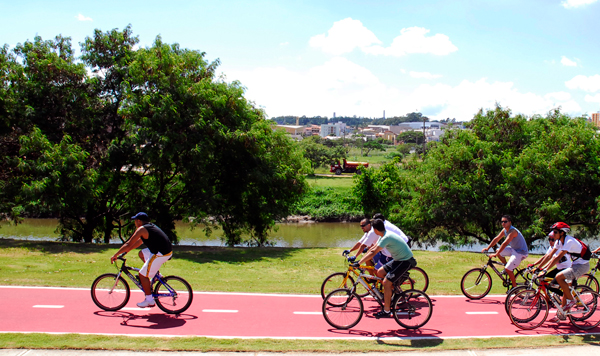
x: 585, y: 315
x: 342, y: 309
x: 476, y: 283
x: 175, y: 297
x: 336, y: 281
x: 590, y: 281
x: 420, y: 278
x: 412, y: 309
x: 528, y: 309
x: 110, y: 293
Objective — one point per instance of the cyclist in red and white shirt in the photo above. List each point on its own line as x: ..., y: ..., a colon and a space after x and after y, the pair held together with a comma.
x: 553, y: 250
x: 579, y: 267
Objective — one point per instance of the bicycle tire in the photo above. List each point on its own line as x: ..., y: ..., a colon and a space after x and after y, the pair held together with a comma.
x: 591, y: 281
x: 525, y: 309
x: 345, y: 312
x: 476, y: 283
x: 336, y: 281
x: 110, y: 294
x: 412, y: 309
x: 420, y: 278
x: 589, y: 319
x: 511, y: 295
x: 175, y: 303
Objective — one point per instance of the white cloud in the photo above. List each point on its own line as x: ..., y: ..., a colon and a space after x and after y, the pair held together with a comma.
x: 284, y: 44
x: 570, y: 4
x: 589, y: 84
x: 343, y: 37
x: 80, y: 17
x: 425, y: 75
x: 567, y: 62
x: 346, y: 88
x: 592, y: 98
x: 415, y: 40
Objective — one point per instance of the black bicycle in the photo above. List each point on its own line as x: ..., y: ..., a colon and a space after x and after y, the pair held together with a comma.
x: 477, y: 282
x: 110, y: 291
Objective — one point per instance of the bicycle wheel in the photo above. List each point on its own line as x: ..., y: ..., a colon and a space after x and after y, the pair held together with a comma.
x: 342, y: 309
x: 590, y: 281
x: 175, y: 297
x: 110, y: 293
x: 336, y: 281
x: 511, y: 294
x: 528, y: 309
x: 420, y: 278
x: 585, y: 315
x: 412, y: 309
x: 476, y: 283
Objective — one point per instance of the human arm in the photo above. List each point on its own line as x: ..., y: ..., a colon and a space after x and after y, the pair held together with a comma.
x: 554, y: 260
x: 508, y: 239
x: 370, y: 254
x: 133, y: 242
x: 494, y: 241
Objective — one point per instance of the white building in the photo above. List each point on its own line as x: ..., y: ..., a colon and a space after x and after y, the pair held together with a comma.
x: 338, y: 129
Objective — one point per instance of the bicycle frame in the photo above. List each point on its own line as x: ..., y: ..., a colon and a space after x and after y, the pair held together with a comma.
x: 504, y: 277
x: 542, y: 291
x: 124, y: 269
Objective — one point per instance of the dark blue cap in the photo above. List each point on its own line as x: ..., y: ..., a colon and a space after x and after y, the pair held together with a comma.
x: 141, y: 215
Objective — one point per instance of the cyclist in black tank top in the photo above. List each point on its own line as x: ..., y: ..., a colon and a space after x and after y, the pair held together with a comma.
x: 159, y: 250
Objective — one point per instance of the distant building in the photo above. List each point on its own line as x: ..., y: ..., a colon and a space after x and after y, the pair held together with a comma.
x: 295, y: 131
x: 596, y: 119
x: 338, y: 129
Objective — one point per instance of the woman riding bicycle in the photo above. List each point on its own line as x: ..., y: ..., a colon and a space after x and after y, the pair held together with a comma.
x: 159, y: 250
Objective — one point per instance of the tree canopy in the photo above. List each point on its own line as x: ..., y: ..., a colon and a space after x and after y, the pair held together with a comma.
x: 120, y: 130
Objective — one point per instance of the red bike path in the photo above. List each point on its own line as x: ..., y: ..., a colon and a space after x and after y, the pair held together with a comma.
x: 245, y: 315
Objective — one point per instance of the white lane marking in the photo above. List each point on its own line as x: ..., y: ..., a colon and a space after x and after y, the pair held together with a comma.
x: 130, y: 308
x: 49, y: 306
x: 480, y: 313
x: 308, y: 313
x: 218, y: 311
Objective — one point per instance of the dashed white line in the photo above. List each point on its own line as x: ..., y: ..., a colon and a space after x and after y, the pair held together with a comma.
x: 49, y: 306
x: 481, y: 313
x: 307, y: 313
x: 218, y: 311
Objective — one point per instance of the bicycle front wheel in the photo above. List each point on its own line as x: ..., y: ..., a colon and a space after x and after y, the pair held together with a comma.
x: 109, y: 292
x: 528, y: 309
x: 336, y: 281
x: 420, y: 278
x: 175, y: 296
x: 585, y: 315
x: 511, y: 294
x: 342, y: 309
x: 412, y: 309
x: 476, y: 283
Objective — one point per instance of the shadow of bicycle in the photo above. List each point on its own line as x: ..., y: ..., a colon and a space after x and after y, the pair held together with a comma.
x: 153, y: 321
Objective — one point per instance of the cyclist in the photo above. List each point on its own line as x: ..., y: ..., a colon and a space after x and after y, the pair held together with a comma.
x: 393, y: 228
x: 402, y: 261
x: 367, y: 241
x: 555, y: 246
x: 514, y: 245
x: 158, y: 251
x: 580, y: 255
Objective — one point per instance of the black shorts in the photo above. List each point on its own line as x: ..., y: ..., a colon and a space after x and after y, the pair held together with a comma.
x: 395, y: 269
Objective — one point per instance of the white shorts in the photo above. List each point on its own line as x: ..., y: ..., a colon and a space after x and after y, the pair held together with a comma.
x: 153, y: 262
x: 515, y: 258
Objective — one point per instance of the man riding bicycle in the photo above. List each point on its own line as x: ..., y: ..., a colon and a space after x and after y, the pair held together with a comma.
x: 580, y: 255
x: 514, y: 246
x: 158, y: 251
x: 366, y: 242
x: 393, y: 271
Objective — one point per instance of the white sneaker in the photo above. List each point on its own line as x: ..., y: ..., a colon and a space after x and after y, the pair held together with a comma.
x: 146, y: 304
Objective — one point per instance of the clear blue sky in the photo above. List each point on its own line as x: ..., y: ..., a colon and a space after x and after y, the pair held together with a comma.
x: 442, y: 58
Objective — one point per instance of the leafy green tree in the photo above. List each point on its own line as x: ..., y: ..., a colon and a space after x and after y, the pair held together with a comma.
x: 411, y: 137
x: 319, y: 154
x: 371, y: 145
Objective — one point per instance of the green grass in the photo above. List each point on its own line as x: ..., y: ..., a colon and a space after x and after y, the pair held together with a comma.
x: 235, y: 270
x: 342, y: 182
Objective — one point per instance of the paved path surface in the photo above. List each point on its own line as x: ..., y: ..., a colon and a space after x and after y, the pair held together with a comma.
x: 233, y: 315
x: 556, y: 351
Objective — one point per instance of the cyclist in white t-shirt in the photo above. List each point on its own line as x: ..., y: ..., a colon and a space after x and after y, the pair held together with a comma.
x: 366, y: 242
x: 393, y: 228
x: 553, y: 250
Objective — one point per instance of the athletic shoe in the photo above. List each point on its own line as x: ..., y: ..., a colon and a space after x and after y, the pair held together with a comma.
x: 146, y: 304
x: 570, y: 304
x: 383, y: 314
x: 559, y: 316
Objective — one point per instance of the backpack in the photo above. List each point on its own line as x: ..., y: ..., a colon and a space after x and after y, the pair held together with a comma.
x: 585, y: 253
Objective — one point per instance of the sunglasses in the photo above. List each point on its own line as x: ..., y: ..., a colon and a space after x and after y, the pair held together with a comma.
x: 551, y: 239
x: 504, y: 221
x: 361, y: 225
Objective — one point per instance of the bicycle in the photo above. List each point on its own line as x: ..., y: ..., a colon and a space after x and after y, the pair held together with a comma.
x: 477, y: 282
x: 111, y: 292
x: 590, y: 278
x: 343, y: 308
x: 529, y: 308
x: 338, y: 280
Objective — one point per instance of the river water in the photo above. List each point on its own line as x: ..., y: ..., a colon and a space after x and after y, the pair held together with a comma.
x: 335, y: 234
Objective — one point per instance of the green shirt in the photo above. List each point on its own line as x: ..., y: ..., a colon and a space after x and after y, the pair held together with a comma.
x: 396, y: 245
